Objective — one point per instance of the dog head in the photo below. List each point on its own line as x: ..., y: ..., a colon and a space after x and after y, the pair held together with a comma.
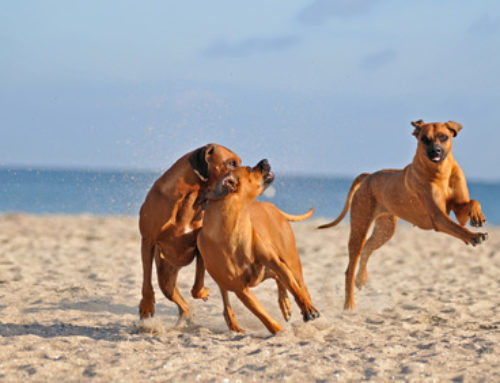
x: 212, y: 161
x: 434, y: 139
x: 246, y: 182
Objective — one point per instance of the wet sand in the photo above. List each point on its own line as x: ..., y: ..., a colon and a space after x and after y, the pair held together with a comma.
x: 70, y: 287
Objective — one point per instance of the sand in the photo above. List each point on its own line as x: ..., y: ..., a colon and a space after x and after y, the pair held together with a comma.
x: 70, y: 287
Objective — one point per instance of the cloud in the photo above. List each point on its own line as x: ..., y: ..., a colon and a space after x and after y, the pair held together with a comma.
x: 251, y: 46
x: 378, y: 60
x: 321, y: 10
x: 485, y: 25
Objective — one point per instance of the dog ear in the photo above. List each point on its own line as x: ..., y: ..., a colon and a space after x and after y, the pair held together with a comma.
x: 455, y: 127
x: 418, y: 127
x: 198, y: 161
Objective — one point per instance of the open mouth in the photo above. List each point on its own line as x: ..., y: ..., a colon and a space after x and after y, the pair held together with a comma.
x: 268, y: 176
x: 435, y: 159
x: 268, y: 179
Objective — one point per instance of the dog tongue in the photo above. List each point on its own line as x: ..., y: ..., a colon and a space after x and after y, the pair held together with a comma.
x: 436, y: 159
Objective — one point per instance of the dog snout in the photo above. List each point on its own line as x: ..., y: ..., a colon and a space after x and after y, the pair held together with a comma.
x: 436, y: 153
x: 435, y: 150
x: 265, y: 170
x: 263, y: 166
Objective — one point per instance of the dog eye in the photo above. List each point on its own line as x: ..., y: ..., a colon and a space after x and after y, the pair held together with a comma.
x: 232, y: 164
x: 443, y: 137
x: 425, y: 140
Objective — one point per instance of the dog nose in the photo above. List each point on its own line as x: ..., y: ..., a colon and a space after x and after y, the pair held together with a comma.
x: 437, y: 149
x: 263, y: 165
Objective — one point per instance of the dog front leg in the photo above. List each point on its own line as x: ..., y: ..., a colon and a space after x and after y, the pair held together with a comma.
x: 464, y: 208
x: 469, y: 211
x: 476, y: 215
x: 443, y: 223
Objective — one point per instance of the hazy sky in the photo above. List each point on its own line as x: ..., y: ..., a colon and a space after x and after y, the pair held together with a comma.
x: 317, y: 86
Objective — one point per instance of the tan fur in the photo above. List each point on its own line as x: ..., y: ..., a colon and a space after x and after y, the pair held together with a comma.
x: 243, y: 242
x: 170, y: 219
x: 423, y: 193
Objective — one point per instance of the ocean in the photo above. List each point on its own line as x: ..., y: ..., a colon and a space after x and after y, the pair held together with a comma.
x: 39, y: 191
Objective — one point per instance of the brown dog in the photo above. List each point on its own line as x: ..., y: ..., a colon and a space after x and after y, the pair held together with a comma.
x: 243, y: 242
x: 423, y: 193
x: 170, y: 220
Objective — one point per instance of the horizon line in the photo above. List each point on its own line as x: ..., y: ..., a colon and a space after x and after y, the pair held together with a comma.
x: 111, y: 169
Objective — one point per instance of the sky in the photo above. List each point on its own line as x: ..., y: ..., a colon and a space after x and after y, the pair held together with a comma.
x: 319, y: 87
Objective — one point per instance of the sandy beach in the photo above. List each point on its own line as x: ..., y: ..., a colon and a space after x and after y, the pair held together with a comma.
x: 70, y: 287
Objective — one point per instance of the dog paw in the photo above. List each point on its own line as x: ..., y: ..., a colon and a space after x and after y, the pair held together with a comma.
x: 184, y: 322
x: 477, y: 220
x: 233, y: 326
x: 478, y: 238
x: 310, y: 314
x: 476, y: 217
x: 231, y: 321
x: 202, y: 293
x: 349, y: 305
x: 361, y: 279
x: 237, y: 329
x: 146, y: 308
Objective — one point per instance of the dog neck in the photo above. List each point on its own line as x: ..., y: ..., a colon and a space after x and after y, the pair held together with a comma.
x: 225, y: 215
x: 425, y: 169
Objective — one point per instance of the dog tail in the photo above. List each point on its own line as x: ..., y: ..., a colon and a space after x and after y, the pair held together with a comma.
x: 354, y: 187
x: 297, y: 218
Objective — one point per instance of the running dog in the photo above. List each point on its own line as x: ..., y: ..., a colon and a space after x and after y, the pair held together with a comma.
x: 423, y: 193
x: 244, y: 241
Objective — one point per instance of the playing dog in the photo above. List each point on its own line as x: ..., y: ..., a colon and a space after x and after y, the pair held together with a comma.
x: 423, y: 193
x: 170, y: 220
x: 244, y: 241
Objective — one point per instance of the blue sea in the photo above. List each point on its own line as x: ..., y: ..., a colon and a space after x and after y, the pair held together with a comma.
x: 38, y: 191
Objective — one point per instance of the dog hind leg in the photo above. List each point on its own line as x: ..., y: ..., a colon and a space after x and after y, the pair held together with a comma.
x: 251, y: 302
x: 229, y: 313
x: 384, y: 229
x: 283, y: 301
x: 167, y: 280
x: 361, y: 220
x: 147, y: 304
x: 297, y: 288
